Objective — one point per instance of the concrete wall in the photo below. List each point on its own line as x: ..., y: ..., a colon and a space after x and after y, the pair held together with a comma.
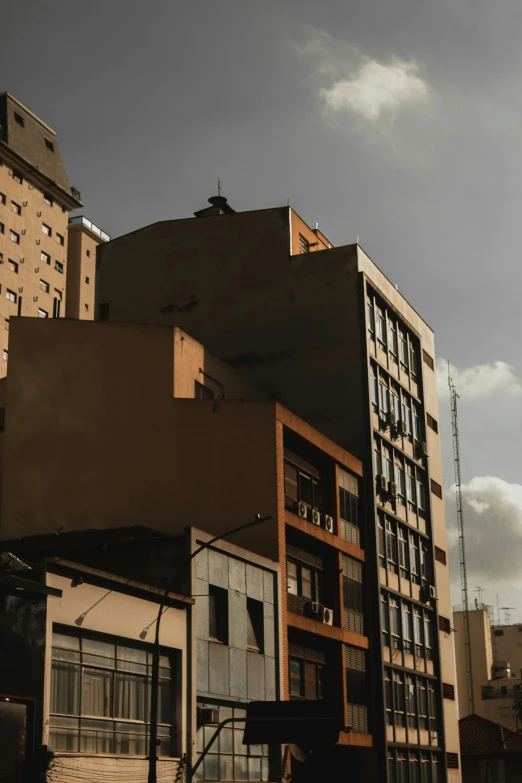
x: 122, y: 616
x: 481, y: 659
x: 81, y: 272
x: 507, y: 646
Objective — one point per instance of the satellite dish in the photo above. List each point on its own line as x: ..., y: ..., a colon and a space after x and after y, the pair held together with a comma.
x: 298, y: 753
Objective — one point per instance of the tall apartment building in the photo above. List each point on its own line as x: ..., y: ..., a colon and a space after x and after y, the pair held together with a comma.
x: 83, y: 239
x: 323, y: 331
x: 496, y: 666
x: 150, y: 430
x: 35, y: 199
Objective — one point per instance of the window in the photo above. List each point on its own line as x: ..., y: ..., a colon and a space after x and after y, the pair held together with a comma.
x: 411, y: 701
x: 13, y: 266
x: 302, y: 484
x: 304, y: 244
x: 353, y: 595
x: 417, y: 431
x: 392, y: 339
x: 403, y: 552
x: 428, y: 636
x: 14, y: 237
x: 47, y: 230
x: 406, y: 417
x: 410, y: 486
x: 401, y: 482
x: 42, y: 313
x: 440, y: 555
x: 403, y: 350
x: 16, y: 208
x: 19, y: 119
x: 426, y: 358
x: 413, y: 360
x: 60, y: 239
x: 99, y: 696
x: 448, y: 691
x: 421, y: 494
x: 497, y: 633
x: 88, y: 253
x: 48, y: 199
x: 452, y: 760
x: 306, y: 679
x: 432, y: 423
x: 86, y: 307
x: 384, y: 399
x: 388, y: 697
x: 49, y: 144
x: 228, y: 759
x: 87, y: 280
x: 419, y: 637
x: 304, y: 580
x: 391, y: 545
x: 432, y: 707
x: 2, y: 228
x: 11, y: 296
x: 371, y: 316
x: 380, y: 326
x: 422, y: 700
x: 396, y: 405
x: 374, y: 389
x: 45, y: 257
x: 5, y: 354
x: 2, y: 198
x: 356, y: 687
x: 58, y: 266
x: 44, y: 286
x: 436, y: 489
x: 349, y: 507
x: 202, y: 392
x: 255, y: 625
x: 18, y: 177
x: 382, y: 541
x: 399, y: 699
x: 218, y: 614
x: 395, y: 623
x: 444, y: 624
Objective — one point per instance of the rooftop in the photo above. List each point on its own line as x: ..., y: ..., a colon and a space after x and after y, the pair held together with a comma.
x: 81, y: 220
x: 480, y: 735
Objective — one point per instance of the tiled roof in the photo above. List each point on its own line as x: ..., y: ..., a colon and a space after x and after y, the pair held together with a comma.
x: 480, y: 735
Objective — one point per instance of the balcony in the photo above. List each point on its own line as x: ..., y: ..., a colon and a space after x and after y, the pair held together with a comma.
x: 80, y: 220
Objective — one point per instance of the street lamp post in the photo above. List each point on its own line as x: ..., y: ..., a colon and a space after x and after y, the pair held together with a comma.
x: 154, y: 680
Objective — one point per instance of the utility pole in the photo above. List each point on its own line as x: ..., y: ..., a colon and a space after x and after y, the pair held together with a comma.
x: 462, y: 548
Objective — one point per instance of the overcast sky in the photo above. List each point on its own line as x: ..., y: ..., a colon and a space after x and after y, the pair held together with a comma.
x: 398, y: 123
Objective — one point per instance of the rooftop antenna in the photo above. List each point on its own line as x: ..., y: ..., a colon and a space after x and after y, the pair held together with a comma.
x: 462, y: 548
x: 317, y: 226
x: 219, y: 187
x: 507, y: 613
x: 478, y: 590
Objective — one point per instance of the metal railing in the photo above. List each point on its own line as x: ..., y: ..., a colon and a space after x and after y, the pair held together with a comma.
x: 80, y: 220
x: 504, y: 692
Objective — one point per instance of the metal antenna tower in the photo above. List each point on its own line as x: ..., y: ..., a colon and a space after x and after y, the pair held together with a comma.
x: 462, y: 549
x: 507, y: 613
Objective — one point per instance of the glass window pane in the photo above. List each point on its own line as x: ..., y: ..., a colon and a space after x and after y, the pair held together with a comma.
x: 226, y: 740
x: 96, y: 692
x: 264, y: 769
x: 65, y: 688
x: 132, y: 660
x: 130, y: 743
x: 254, y: 769
x: 62, y: 738
x: 100, y: 653
x: 226, y: 767
x: 211, y: 767
x: 240, y: 768
x: 63, y: 640
x: 129, y: 697
x: 96, y: 741
x: 239, y: 748
x: 166, y: 706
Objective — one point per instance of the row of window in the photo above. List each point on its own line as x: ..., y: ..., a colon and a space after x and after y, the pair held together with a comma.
x: 228, y: 759
x: 392, y: 336
x: 395, y: 407
x: 407, y: 627
x: 100, y: 697
x: 403, y: 551
x: 16, y: 208
x: 14, y: 236
x: 413, y: 767
x: 21, y: 122
x: 45, y: 258
x: 399, y: 478
x: 410, y: 701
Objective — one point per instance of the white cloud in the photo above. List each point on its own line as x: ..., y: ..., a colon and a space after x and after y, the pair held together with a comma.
x: 347, y: 81
x: 480, y: 380
x: 492, y: 511
x: 377, y: 89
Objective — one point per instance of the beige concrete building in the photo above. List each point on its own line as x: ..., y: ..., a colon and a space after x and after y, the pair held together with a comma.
x: 35, y: 199
x: 323, y: 331
x: 496, y: 666
x: 83, y: 239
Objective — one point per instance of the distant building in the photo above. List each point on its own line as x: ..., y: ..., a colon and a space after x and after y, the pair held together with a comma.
x: 496, y: 666
x: 35, y: 199
x: 327, y: 334
x: 490, y: 752
x: 83, y: 239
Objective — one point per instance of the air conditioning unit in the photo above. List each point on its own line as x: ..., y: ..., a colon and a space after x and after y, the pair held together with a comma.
x: 207, y: 715
x: 382, y: 483
x: 316, y: 517
x: 423, y: 448
x: 314, y: 610
x: 327, y: 616
x: 427, y: 594
x: 393, y: 489
x: 303, y: 510
x: 403, y: 427
x: 432, y: 593
x: 392, y: 419
x: 328, y: 523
